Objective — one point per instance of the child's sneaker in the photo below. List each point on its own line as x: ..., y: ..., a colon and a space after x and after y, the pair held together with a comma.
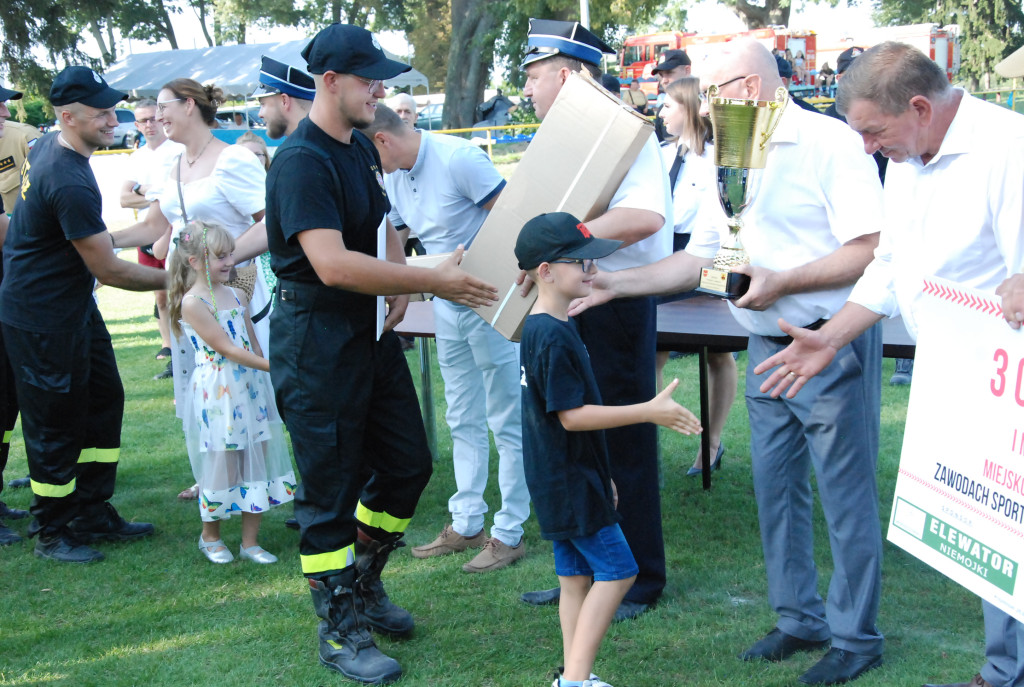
x: 594, y: 681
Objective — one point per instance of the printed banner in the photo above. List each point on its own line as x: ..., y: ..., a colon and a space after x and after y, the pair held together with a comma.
x: 959, y: 501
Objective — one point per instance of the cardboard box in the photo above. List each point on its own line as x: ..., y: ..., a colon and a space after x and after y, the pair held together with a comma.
x: 429, y: 262
x: 579, y: 156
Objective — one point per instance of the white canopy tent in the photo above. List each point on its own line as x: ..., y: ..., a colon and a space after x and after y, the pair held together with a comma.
x: 233, y: 68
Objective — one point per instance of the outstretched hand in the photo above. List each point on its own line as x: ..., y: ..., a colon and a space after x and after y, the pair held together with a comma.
x: 666, y: 412
x: 600, y: 293
x: 454, y: 284
x: 809, y: 354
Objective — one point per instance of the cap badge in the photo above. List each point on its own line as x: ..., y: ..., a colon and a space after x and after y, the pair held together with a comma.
x: 373, y: 39
x: 97, y: 78
x: 583, y: 230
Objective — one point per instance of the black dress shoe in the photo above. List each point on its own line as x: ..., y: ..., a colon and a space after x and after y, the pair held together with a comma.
x: 12, y: 513
x: 628, y: 610
x: 19, y: 483
x: 544, y: 597
x: 839, y: 666
x: 778, y: 646
x: 291, y: 523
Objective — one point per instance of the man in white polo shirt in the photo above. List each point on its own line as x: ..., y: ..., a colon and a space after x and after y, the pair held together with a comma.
x: 442, y: 188
x: 149, y: 166
x: 810, y: 233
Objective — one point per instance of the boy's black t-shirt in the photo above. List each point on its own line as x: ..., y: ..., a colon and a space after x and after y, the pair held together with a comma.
x: 46, y: 285
x: 318, y: 182
x: 567, y: 473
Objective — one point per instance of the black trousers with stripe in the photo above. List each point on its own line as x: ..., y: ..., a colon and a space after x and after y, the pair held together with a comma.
x: 72, y: 405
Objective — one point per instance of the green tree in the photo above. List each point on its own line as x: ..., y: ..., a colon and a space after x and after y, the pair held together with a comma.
x: 989, y: 31
x: 430, y: 36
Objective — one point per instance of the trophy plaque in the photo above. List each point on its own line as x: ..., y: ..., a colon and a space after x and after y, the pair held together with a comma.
x: 742, y: 129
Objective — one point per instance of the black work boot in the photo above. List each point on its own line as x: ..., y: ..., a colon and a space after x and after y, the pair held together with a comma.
x: 373, y: 603
x: 106, y: 523
x: 7, y: 535
x: 346, y: 645
x: 65, y: 548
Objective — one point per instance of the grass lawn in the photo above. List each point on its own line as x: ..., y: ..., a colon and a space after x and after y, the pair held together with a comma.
x: 157, y: 613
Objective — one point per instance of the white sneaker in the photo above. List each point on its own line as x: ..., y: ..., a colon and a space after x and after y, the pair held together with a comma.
x: 594, y: 681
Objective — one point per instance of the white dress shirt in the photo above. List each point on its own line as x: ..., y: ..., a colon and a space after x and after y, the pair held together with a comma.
x: 959, y: 217
x: 819, y: 190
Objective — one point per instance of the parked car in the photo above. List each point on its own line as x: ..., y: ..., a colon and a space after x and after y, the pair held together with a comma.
x: 125, y: 133
x: 431, y: 116
x: 240, y: 117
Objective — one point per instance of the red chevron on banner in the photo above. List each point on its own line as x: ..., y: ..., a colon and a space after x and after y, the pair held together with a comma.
x: 970, y: 300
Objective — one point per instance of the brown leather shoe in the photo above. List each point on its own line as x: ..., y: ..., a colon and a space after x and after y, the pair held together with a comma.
x: 496, y: 555
x: 449, y: 541
x: 977, y: 681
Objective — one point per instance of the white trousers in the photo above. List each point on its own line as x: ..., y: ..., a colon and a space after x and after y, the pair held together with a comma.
x: 480, y: 369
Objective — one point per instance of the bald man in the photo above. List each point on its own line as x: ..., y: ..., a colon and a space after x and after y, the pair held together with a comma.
x: 810, y: 233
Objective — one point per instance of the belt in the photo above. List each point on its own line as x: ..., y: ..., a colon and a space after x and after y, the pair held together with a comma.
x: 786, y: 340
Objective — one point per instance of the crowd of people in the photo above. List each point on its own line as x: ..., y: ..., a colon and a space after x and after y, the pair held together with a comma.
x: 270, y: 277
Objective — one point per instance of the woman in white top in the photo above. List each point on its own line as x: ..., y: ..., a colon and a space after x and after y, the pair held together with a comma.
x: 220, y: 184
x: 689, y: 159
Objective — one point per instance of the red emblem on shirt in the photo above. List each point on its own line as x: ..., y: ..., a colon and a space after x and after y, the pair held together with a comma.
x: 583, y: 230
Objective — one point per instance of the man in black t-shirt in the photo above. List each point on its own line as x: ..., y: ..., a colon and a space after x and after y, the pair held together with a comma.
x: 346, y: 394
x: 65, y: 373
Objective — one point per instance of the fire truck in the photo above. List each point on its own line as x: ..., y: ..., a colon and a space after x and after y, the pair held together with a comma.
x: 940, y: 43
x: 640, y: 54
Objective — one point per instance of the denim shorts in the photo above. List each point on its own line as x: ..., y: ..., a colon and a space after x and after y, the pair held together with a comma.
x: 605, y: 556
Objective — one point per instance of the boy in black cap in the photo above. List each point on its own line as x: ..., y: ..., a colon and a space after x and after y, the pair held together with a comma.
x: 346, y: 395
x: 564, y: 450
x: 65, y: 373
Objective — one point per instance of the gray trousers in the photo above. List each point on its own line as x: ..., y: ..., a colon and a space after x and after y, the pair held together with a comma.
x: 1004, y: 648
x: 831, y: 425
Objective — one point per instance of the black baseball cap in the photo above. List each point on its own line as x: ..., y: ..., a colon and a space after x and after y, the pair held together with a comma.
x: 846, y: 58
x: 556, y: 235
x: 670, y: 59
x: 350, y: 49
x: 83, y: 85
x: 277, y: 77
x: 8, y: 94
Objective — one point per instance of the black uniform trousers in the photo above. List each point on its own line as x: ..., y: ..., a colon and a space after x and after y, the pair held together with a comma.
x: 8, y: 408
x: 72, y: 404
x: 621, y: 337
x: 351, y: 409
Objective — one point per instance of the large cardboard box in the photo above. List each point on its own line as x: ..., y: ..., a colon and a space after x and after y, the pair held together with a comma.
x: 579, y: 156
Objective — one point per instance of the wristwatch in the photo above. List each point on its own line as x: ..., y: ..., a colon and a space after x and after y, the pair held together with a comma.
x: 136, y: 189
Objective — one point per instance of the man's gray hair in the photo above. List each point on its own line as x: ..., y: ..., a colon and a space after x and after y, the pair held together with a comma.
x: 889, y: 75
x: 145, y: 102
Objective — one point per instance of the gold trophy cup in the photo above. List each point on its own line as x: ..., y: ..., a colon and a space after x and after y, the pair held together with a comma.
x: 742, y: 131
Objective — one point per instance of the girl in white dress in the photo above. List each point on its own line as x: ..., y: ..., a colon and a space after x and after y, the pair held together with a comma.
x: 233, y: 432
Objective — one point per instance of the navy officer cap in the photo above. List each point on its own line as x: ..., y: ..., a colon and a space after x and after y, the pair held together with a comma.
x: 278, y: 77
x: 350, y: 49
x: 846, y: 58
x: 83, y: 85
x: 8, y: 94
x: 550, y: 37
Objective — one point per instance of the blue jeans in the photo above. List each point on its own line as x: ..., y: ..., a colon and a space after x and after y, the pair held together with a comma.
x: 605, y: 556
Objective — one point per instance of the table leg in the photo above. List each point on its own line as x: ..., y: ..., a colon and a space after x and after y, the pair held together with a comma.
x: 427, y: 394
x: 705, y: 418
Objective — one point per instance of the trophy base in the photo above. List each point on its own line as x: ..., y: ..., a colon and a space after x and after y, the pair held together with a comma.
x: 723, y: 284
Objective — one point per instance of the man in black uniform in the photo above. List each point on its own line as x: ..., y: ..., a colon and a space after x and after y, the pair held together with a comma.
x: 65, y: 373
x: 346, y: 395
x: 8, y: 397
